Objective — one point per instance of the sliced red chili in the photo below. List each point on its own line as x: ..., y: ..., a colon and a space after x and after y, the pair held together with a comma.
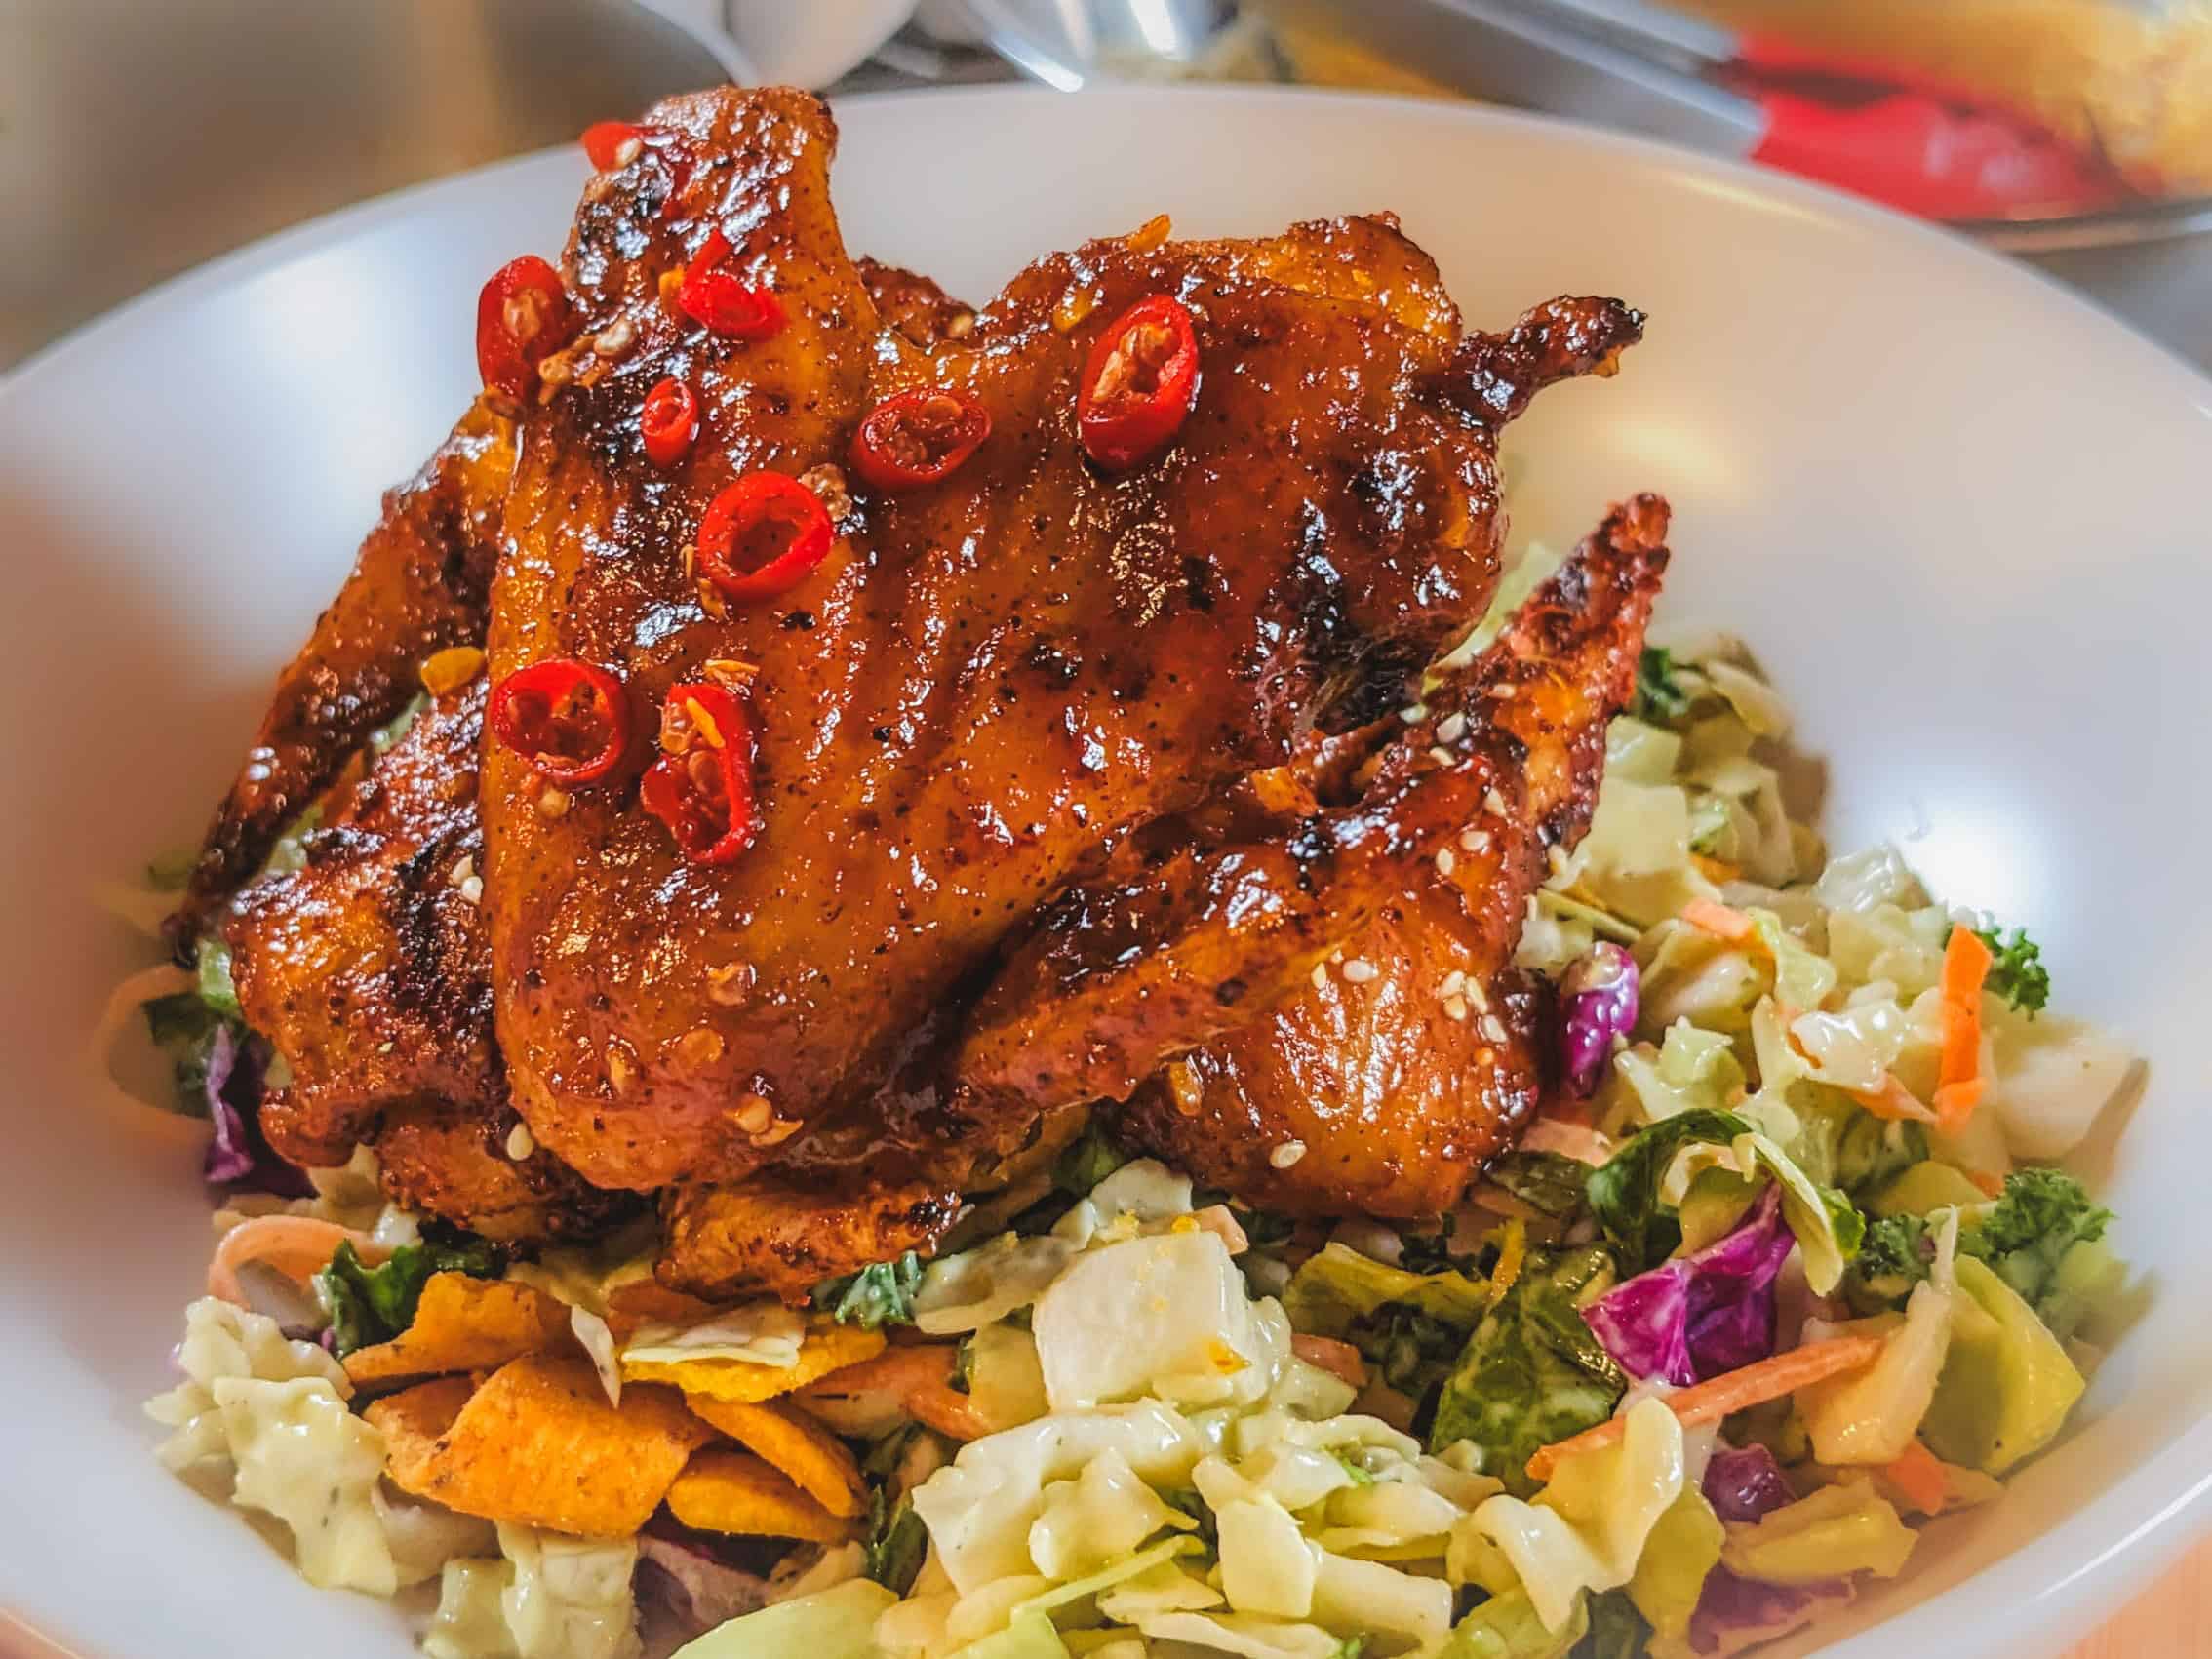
x: 607, y: 143
x: 1138, y: 383
x: 523, y: 316
x: 720, y: 302
x: 918, y: 437
x: 703, y: 785
x: 762, y: 535
x: 567, y: 718
x: 668, y: 420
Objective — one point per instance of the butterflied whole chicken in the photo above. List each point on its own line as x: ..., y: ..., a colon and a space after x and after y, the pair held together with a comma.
x: 905, y: 725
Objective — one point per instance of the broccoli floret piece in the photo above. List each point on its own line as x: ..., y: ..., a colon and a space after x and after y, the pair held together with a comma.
x: 2023, y: 1235
x: 2017, y: 973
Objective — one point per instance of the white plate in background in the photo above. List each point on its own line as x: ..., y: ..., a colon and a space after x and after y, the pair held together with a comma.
x: 1960, y: 514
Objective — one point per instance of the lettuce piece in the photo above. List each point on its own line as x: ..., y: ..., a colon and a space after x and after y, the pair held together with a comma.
x: 1827, y: 1226
x: 980, y: 1507
x: 1689, y: 976
x: 1871, y: 1416
x: 1684, y: 1549
x: 2007, y: 1385
x: 975, y: 1287
x: 1031, y: 1636
x: 1588, y: 1528
x: 1337, y: 1290
x: 1507, y: 1627
x: 878, y: 1295
x: 1700, y: 1315
x: 1625, y: 1191
x: 1923, y: 1186
x: 1617, y: 1631
x: 1006, y: 1379
x: 838, y: 1623
x: 2050, y: 1079
x: 1548, y: 1183
x: 1533, y: 1373
x: 1101, y: 1515
x: 374, y: 1304
x: 1836, y: 1531
x: 1167, y: 1315
x: 1267, y: 1567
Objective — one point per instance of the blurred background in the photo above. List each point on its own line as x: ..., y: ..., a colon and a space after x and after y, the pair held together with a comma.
x: 139, y: 137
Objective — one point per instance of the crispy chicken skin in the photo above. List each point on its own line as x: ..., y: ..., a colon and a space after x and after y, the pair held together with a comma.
x: 418, y: 585
x: 368, y: 970
x: 985, y: 687
x: 1400, y: 1076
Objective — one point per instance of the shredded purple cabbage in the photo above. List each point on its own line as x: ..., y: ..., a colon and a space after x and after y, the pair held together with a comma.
x: 1744, y: 1484
x: 687, y: 1582
x: 1598, y: 999
x: 1734, y: 1613
x: 238, y: 1157
x: 1701, y: 1315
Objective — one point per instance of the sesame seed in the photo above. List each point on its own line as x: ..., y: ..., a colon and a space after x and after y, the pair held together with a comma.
x: 1455, y: 982
x: 1476, y: 995
x: 472, y: 891
x: 730, y: 984
x: 1442, y: 756
x: 1358, y: 971
x: 1287, y: 1153
x: 1493, y: 802
x: 553, y: 804
x: 619, y: 1069
x: 1474, y: 840
x: 828, y: 484
x: 1451, y: 729
x: 462, y: 870
x: 1321, y: 975
x: 961, y: 325
x: 1414, y: 713
x: 1556, y: 857
x: 521, y: 1143
x: 1494, y: 1028
x: 1455, y: 1008
x: 628, y: 151
x: 617, y: 338
x: 1502, y: 691
x: 700, y: 1048
x: 1444, y: 860
x: 1485, y: 1056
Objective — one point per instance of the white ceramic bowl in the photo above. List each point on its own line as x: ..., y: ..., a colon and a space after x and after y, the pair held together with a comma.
x: 1960, y: 514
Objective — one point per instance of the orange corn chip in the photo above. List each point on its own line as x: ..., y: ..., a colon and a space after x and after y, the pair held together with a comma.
x: 539, y: 1443
x: 814, y: 1460
x: 733, y: 1492
x: 465, y: 1325
x: 827, y: 1349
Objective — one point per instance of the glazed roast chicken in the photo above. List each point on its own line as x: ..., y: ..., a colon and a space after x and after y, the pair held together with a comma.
x: 908, y: 730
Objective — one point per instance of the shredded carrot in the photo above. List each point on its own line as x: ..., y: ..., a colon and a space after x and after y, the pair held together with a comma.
x: 1960, y: 1081
x: 298, y: 1247
x: 1216, y: 1219
x: 1338, y: 1359
x: 948, y: 1411
x: 1715, y: 870
x: 1894, y: 1101
x: 1992, y: 1185
x: 1722, y: 922
x: 1724, y: 1396
x: 1920, y: 1478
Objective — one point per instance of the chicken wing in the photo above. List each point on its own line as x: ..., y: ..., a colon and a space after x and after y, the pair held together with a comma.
x: 417, y: 585
x: 987, y: 685
x: 1383, y: 1084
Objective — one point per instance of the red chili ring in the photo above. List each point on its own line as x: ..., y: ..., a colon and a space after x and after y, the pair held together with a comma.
x: 721, y: 304
x: 523, y: 316
x: 703, y: 785
x: 757, y: 503
x: 1138, y: 382
x: 668, y: 420
x: 603, y: 142
x: 918, y: 437
x: 567, y: 718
